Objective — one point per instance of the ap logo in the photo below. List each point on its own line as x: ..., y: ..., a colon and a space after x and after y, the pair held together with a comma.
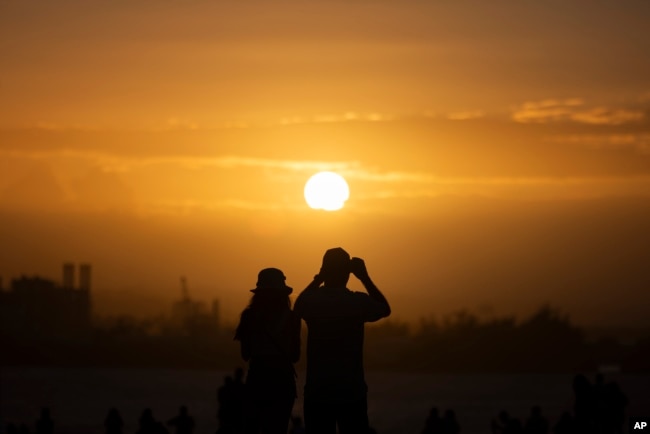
x: 639, y: 425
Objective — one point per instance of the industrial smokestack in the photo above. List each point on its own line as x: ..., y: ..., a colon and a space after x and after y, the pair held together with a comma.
x: 216, y: 316
x: 68, y: 275
x: 84, y: 277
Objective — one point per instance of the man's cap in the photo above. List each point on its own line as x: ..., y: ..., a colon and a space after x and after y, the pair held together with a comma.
x: 272, y: 279
x: 335, y: 260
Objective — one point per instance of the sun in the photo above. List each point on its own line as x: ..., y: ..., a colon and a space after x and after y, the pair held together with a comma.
x: 327, y: 191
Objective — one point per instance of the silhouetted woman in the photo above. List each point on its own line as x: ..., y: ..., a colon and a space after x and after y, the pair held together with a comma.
x: 45, y: 425
x: 269, y: 333
x: 113, y: 422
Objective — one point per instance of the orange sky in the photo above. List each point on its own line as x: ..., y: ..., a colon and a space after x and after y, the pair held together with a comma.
x: 498, y: 153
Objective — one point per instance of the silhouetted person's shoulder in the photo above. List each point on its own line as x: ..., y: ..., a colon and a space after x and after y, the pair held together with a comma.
x: 338, y: 303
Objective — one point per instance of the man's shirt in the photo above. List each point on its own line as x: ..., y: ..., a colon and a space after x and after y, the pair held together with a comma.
x: 335, y: 320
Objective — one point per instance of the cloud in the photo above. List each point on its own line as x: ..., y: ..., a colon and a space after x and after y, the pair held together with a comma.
x: 59, y: 127
x: 189, y: 207
x: 605, y: 116
x: 37, y: 189
x: 466, y: 115
x: 177, y: 123
x: 373, y: 185
x: 350, y: 169
x: 234, y: 162
x: 376, y: 175
x: 573, y: 110
x: 637, y: 142
x: 112, y: 163
x: 519, y: 188
x: 546, y: 110
x: 350, y: 116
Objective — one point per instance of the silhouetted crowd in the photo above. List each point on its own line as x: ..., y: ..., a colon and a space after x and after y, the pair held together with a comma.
x: 599, y: 408
x: 435, y: 424
x: 183, y: 423
x: 230, y: 416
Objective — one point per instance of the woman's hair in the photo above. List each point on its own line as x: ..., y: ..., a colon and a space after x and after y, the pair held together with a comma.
x: 269, y: 300
x: 265, y: 306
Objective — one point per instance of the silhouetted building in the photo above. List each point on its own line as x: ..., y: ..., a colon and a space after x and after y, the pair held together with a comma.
x: 84, y: 277
x: 35, y: 307
x: 68, y: 275
x: 193, y: 317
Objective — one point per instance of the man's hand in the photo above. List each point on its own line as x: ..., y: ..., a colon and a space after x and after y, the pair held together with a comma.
x: 318, y: 279
x: 316, y: 283
x: 358, y: 268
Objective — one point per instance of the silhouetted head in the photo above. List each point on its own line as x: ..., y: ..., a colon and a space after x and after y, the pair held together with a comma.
x: 581, y: 384
x: 239, y: 374
x: 504, y: 417
x: 536, y: 410
x: 271, y: 293
x: 271, y: 280
x: 45, y: 413
x: 335, y: 270
x: 146, y: 417
x: 434, y: 413
x: 183, y: 410
x: 450, y: 415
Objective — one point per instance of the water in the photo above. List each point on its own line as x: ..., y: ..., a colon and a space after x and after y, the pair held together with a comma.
x: 398, y: 402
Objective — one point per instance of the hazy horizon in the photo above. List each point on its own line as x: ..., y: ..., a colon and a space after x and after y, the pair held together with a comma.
x: 491, y: 257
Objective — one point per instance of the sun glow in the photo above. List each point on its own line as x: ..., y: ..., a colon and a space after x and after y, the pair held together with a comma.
x: 327, y: 191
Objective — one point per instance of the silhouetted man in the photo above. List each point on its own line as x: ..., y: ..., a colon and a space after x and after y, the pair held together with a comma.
x: 184, y: 423
x: 149, y: 425
x: 229, y: 407
x: 45, y: 425
x: 536, y: 423
x: 113, y: 422
x: 449, y: 424
x: 433, y: 424
x: 335, y: 389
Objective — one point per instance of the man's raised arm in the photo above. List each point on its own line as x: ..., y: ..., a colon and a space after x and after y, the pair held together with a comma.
x: 360, y: 272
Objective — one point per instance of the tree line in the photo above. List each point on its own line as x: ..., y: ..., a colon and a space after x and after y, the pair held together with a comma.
x: 545, y: 341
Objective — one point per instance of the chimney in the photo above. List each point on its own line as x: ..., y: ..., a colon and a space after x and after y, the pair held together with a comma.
x: 215, y: 312
x: 84, y: 277
x: 68, y: 275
